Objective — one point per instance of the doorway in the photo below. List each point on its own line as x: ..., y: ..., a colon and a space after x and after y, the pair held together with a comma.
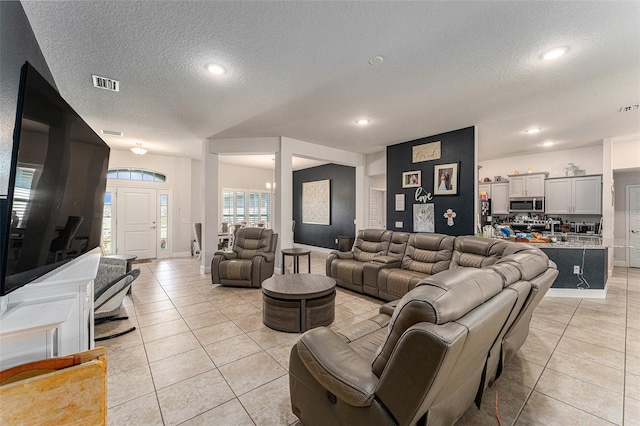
x: 136, y: 222
x: 377, y: 208
x: 633, y: 225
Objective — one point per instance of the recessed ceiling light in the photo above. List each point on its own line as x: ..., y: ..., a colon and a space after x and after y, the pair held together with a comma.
x: 376, y: 60
x: 533, y: 130
x: 362, y: 121
x: 554, y: 53
x: 547, y: 143
x: 215, y: 69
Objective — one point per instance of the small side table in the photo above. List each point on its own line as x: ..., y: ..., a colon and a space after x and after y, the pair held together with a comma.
x: 296, y: 253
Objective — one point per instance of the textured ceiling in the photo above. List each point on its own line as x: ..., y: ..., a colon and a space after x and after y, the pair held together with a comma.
x: 300, y: 69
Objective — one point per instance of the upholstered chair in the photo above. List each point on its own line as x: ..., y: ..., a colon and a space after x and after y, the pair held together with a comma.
x: 251, y: 261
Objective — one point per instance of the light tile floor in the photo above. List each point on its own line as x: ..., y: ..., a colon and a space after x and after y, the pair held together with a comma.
x: 201, y: 356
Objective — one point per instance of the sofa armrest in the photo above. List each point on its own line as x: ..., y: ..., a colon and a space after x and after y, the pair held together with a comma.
x: 371, y: 269
x: 268, y: 256
x: 388, y: 308
x: 227, y: 254
x: 337, y: 367
x: 343, y: 254
x: 387, y: 260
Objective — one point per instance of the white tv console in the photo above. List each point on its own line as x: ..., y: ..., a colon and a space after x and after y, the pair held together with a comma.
x: 51, y: 316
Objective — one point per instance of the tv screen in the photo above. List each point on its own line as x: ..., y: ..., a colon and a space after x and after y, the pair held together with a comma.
x: 57, y: 181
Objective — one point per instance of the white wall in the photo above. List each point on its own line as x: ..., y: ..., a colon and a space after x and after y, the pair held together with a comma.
x: 588, y: 158
x: 239, y: 177
x: 626, y: 154
x: 620, y: 214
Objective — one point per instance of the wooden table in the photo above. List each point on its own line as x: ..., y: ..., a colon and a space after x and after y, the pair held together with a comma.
x: 296, y: 253
x: 298, y: 302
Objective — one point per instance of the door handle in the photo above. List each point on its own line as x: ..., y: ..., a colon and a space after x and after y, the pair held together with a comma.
x: 633, y: 231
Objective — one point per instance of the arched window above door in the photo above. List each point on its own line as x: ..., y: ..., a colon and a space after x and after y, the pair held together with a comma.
x: 136, y: 174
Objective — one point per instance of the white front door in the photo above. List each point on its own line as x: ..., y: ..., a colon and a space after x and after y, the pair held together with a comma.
x: 136, y: 216
x: 633, y: 201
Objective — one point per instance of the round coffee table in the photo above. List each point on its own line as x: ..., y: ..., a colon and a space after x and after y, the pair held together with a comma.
x: 298, y: 302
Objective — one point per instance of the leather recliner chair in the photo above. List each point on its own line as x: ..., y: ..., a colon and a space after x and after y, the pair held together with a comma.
x: 251, y: 261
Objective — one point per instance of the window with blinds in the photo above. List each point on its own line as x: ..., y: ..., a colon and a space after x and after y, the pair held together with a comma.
x: 250, y: 206
x: 22, y: 193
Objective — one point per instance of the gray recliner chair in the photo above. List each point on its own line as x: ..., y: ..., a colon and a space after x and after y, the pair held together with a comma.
x: 251, y: 261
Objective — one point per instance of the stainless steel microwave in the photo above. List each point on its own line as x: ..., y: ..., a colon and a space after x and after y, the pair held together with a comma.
x: 526, y: 205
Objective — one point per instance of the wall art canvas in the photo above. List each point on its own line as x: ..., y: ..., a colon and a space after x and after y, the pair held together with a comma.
x: 316, y: 202
x: 411, y: 179
x: 445, y: 179
x: 424, y: 218
x: 426, y: 152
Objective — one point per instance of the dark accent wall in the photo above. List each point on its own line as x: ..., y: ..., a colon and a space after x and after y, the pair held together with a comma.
x: 343, y: 205
x: 17, y: 45
x: 456, y: 146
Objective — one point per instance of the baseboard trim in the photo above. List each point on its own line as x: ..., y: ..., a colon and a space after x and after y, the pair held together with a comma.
x: 181, y: 254
x: 622, y: 263
x: 574, y: 292
x: 205, y: 269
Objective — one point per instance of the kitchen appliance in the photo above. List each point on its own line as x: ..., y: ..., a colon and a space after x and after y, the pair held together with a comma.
x: 586, y: 228
x: 527, y: 224
x: 526, y: 205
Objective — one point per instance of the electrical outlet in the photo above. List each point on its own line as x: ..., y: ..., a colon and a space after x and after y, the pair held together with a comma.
x: 576, y: 269
x: 336, y: 241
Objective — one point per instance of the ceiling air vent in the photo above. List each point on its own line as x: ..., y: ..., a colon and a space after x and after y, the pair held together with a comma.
x: 106, y: 83
x: 111, y: 132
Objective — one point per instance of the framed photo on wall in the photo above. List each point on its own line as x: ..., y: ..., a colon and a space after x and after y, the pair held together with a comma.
x: 316, y: 202
x: 411, y: 179
x: 424, y: 218
x: 445, y: 179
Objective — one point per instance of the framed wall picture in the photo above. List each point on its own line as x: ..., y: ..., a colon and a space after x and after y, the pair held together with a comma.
x: 411, y: 179
x: 445, y: 179
x: 399, y: 202
x: 424, y: 218
x: 316, y: 202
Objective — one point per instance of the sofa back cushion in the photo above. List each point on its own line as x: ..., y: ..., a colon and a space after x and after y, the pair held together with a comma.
x: 476, y: 252
x: 428, y: 253
x: 371, y: 243
x: 398, y: 244
x: 439, y: 299
x: 249, y: 241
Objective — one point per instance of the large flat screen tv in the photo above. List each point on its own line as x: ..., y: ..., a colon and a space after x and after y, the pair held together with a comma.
x: 57, y: 179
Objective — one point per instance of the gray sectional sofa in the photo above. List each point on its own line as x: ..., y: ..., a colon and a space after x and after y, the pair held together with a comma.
x: 460, y: 308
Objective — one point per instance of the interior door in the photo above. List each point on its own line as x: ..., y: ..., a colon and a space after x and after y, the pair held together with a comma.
x: 633, y: 200
x: 377, y: 209
x: 136, y: 218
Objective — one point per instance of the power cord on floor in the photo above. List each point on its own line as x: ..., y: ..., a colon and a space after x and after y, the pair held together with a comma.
x: 583, y: 284
x: 497, y: 412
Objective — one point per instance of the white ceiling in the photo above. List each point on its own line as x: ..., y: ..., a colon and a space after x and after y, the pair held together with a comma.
x: 300, y: 69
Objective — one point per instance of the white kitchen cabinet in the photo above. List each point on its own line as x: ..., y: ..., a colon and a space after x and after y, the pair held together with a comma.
x: 500, y: 198
x: 574, y: 195
x: 530, y: 185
